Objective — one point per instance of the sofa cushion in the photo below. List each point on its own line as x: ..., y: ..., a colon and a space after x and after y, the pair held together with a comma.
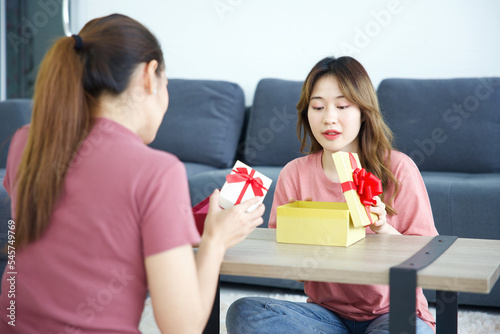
x: 445, y: 125
x: 203, y: 122
x: 271, y: 136
x: 14, y: 114
x: 463, y: 203
x: 193, y: 168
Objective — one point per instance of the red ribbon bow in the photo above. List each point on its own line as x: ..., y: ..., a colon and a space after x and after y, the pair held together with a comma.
x: 241, y: 175
x: 367, y: 186
x: 365, y: 183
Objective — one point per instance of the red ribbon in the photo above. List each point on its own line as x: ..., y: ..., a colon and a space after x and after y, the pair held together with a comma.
x: 241, y: 175
x: 366, y: 185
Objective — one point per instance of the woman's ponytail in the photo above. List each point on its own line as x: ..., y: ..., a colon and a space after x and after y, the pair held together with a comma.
x: 60, y: 121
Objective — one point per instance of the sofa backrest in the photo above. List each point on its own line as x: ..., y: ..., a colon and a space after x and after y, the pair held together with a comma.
x: 14, y: 113
x: 271, y: 136
x: 203, y: 122
x: 445, y: 125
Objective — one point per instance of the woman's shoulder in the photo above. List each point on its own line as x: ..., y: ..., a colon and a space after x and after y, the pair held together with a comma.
x: 402, y: 165
x: 302, y: 163
x: 162, y: 157
x: 155, y: 162
x: 116, y: 144
x: 22, y: 133
x: 398, y: 157
x: 19, y: 141
x: 127, y: 146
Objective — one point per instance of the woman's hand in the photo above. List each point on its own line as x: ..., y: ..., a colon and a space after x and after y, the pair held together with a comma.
x: 381, y: 225
x: 228, y: 227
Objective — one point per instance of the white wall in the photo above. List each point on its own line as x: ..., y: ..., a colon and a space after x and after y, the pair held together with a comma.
x: 245, y: 40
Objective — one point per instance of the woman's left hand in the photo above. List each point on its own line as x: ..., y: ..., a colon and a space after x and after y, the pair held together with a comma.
x: 381, y: 225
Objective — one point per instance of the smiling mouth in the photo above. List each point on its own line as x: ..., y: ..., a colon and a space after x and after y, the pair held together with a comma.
x: 331, y: 133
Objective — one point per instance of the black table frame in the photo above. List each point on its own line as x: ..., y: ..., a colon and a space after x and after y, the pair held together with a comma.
x: 403, y: 283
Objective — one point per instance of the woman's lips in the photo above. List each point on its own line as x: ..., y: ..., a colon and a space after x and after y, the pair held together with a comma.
x: 331, y: 134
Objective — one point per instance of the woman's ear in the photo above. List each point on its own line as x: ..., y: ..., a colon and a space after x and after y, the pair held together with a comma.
x: 151, y: 78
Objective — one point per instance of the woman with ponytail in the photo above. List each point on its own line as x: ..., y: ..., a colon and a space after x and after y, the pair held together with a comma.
x: 100, y: 217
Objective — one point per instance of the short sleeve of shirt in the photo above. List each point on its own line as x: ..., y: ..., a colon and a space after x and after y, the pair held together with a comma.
x: 414, y: 213
x: 6, y: 183
x: 167, y: 218
x: 14, y: 157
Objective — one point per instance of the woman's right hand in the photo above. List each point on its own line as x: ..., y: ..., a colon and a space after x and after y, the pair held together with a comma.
x: 228, y: 227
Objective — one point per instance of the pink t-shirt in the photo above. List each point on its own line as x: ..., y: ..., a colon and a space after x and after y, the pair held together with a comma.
x: 304, y: 177
x: 121, y: 202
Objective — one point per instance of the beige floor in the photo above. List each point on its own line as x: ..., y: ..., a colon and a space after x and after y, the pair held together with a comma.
x: 470, y: 320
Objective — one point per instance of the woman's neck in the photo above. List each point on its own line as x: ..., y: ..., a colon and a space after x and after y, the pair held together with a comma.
x: 115, y: 109
x: 329, y: 166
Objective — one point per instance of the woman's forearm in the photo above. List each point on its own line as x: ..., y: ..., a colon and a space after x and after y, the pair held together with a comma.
x: 208, y: 261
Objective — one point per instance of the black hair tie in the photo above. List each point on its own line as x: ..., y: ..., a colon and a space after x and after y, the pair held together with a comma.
x: 78, y: 42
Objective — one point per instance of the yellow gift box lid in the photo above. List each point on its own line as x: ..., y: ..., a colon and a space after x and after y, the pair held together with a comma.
x: 358, y: 211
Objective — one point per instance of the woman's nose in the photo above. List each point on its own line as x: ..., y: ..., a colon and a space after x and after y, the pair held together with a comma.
x: 330, y: 117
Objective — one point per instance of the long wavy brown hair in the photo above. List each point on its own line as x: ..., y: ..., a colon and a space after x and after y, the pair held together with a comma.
x: 67, y: 89
x: 375, y: 137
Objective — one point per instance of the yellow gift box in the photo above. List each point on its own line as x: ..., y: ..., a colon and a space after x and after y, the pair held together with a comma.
x: 317, y: 223
x: 327, y: 223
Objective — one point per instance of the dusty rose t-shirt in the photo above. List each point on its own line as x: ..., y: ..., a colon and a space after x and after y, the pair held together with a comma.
x: 121, y: 202
x: 304, y: 177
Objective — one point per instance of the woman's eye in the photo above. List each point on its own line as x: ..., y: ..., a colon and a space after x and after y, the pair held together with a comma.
x: 343, y: 107
x: 317, y: 108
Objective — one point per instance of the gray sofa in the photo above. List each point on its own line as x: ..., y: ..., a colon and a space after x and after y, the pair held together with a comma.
x: 451, y: 128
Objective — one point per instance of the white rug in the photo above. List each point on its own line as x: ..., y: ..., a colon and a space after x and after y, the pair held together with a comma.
x: 469, y: 322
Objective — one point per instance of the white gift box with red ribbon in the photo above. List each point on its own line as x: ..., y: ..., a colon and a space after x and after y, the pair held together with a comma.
x: 243, y: 183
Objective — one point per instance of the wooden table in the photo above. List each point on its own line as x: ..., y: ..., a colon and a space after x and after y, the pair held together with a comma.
x: 468, y: 265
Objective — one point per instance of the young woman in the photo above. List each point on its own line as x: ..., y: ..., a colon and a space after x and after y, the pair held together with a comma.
x: 99, y: 216
x: 338, y: 111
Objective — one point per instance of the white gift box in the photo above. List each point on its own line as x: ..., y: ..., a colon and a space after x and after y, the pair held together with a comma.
x: 243, y: 183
